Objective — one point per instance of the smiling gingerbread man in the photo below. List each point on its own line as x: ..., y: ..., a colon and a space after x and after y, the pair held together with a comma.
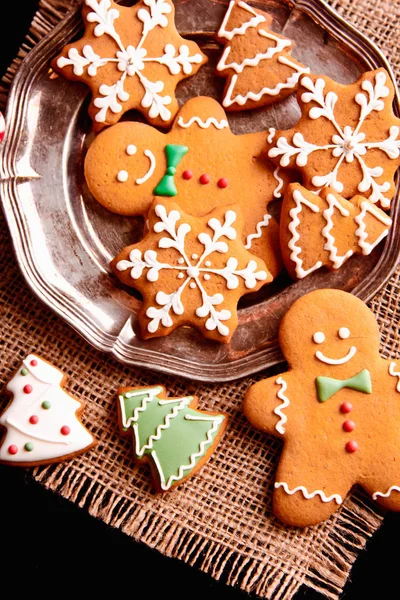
x: 337, y: 409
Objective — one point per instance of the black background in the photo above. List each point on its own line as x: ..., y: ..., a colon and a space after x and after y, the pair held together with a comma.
x: 50, y: 546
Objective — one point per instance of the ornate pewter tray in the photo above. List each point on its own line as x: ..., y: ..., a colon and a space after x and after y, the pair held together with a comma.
x: 64, y: 239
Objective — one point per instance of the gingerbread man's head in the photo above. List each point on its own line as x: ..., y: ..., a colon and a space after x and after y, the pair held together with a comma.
x: 329, y: 332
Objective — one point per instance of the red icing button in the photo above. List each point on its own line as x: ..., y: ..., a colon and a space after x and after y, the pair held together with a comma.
x: 349, y: 426
x: 33, y: 363
x: 223, y: 182
x: 33, y: 419
x: 28, y: 389
x: 187, y: 174
x: 13, y: 449
x: 65, y: 430
x: 346, y: 407
x: 204, y: 179
x: 352, y: 446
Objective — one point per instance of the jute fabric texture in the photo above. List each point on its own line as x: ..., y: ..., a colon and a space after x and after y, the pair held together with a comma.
x: 220, y: 520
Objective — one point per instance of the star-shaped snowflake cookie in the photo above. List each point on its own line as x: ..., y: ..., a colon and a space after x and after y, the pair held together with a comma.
x: 191, y: 271
x: 347, y: 137
x: 131, y: 58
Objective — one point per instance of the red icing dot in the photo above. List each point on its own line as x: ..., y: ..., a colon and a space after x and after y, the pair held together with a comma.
x: 349, y: 426
x: 352, y: 446
x: 223, y: 182
x: 204, y: 179
x: 33, y: 419
x: 28, y: 389
x: 65, y: 430
x: 346, y: 407
x: 188, y: 174
x: 13, y: 449
x: 33, y: 363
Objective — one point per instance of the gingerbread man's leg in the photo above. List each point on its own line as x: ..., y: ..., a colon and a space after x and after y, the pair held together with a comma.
x: 384, y: 486
x: 306, y: 494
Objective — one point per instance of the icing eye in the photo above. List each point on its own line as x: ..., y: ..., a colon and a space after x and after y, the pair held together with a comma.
x: 344, y: 333
x: 318, y: 337
x: 131, y: 149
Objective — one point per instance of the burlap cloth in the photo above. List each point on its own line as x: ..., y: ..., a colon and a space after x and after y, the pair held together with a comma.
x: 220, y: 520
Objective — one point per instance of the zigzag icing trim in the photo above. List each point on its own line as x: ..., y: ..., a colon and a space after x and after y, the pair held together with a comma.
x: 203, y: 124
x: 285, y: 403
x: 361, y: 232
x: 299, y: 200
x: 392, y: 371
x: 255, y: 20
x: 258, y: 234
x: 308, y: 495
x: 393, y: 488
x: 277, y: 190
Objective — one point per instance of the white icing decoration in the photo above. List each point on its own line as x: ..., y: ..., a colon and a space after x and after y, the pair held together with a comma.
x: 194, y: 256
x: 253, y: 236
x: 344, y: 333
x: 299, y: 200
x: 394, y: 373
x: 218, y: 124
x: 393, y: 488
x: 255, y: 20
x: 361, y: 232
x: 285, y: 403
x: 122, y: 176
x: 130, y: 60
x: 152, y: 166
x: 207, y: 276
x: 308, y: 495
x: 281, y: 44
x: 176, y: 239
x: 319, y: 337
x: 347, y: 144
x: 131, y: 149
x: 271, y: 134
x: 333, y: 203
x: 208, y: 263
x: 48, y: 441
x: 277, y: 190
x: 336, y: 361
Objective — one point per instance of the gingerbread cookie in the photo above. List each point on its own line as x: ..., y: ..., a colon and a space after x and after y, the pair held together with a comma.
x: 337, y: 409
x: 347, y: 137
x: 325, y: 229
x: 190, y: 271
x: 256, y: 61
x: 42, y: 422
x: 130, y: 57
x: 157, y: 423
x: 200, y: 163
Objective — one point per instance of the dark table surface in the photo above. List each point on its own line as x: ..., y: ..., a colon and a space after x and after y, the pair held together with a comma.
x: 49, y: 544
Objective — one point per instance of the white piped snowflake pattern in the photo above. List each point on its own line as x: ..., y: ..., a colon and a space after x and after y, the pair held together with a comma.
x: 131, y: 60
x: 348, y: 144
x: 193, y: 271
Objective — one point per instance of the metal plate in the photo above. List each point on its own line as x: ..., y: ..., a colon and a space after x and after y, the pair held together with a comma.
x: 64, y: 239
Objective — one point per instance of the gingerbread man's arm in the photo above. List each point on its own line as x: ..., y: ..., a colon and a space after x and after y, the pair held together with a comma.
x: 267, y: 404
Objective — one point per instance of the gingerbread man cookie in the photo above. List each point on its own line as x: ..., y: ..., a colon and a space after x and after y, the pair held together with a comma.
x: 200, y: 163
x: 190, y: 271
x: 348, y: 137
x: 256, y: 61
x: 325, y: 229
x: 130, y: 57
x: 156, y: 422
x: 337, y: 409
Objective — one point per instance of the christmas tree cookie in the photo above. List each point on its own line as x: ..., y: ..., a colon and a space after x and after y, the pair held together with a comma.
x: 347, y: 138
x: 130, y: 57
x: 169, y: 433
x: 42, y: 421
x: 256, y: 61
x: 325, y: 229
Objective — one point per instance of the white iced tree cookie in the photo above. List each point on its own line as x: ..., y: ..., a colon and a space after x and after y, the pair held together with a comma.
x: 131, y: 58
x: 348, y: 137
x: 42, y: 422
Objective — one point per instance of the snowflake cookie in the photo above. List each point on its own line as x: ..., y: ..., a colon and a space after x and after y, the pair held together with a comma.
x: 130, y: 57
x: 347, y: 138
x: 256, y: 61
x: 325, y: 229
x: 191, y: 271
x: 337, y: 409
x: 199, y: 162
x: 156, y: 422
x: 42, y: 421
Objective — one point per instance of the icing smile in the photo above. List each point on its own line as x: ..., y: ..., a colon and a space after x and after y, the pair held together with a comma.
x: 336, y: 361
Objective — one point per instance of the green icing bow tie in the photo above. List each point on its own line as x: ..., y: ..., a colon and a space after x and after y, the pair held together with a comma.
x: 327, y: 386
x: 166, y: 186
